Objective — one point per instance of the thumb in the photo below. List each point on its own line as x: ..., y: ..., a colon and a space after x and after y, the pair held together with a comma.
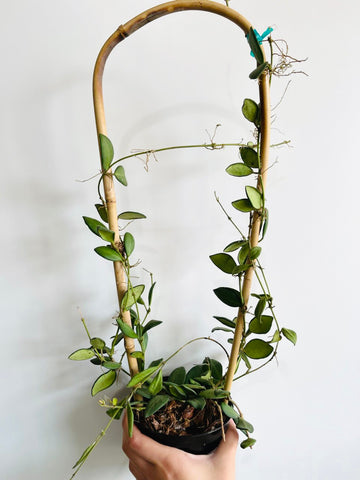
x: 226, y: 451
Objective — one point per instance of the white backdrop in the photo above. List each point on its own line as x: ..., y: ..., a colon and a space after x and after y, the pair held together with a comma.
x: 168, y: 84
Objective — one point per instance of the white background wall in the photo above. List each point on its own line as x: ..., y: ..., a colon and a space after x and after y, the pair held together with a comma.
x: 166, y: 85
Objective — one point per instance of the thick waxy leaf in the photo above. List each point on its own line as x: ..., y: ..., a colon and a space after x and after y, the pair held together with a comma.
x: 254, y: 196
x: 226, y: 321
x: 176, y: 391
x: 131, y: 296
x: 129, y: 243
x: 229, y: 296
x: 93, y: 224
x: 260, y: 307
x: 155, y: 404
x: 112, y: 365
x: 276, y: 337
x: 106, y: 234
x: 223, y: 329
x: 249, y: 442
x: 137, y: 354
x: 97, y: 343
x: 126, y: 329
x: 102, y: 212
x: 214, y: 393
x: 250, y: 110
x: 156, y: 362
x: 258, y: 71
x: 157, y: 384
x: 290, y: 335
x: 104, y: 381
x: 244, y: 425
x: 229, y: 411
x: 239, y: 170
x: 130, y: 419
x: 177, y: 376
x: 255, y: 46
x: 82, y: 354
x: 241, y: 268
x: 151, y: 292
x: 119, y: 174
x: 109, y: 253
x: 254, y: 253
x: 250, y: 157
x: 85, y: 454
x: 141, y: 376
x: 244, y: 205
x: 261, y: 324
x: 131, y: 215
x: 234, y: 245
x: 151, y: 324
x: 115, y: 412
x: 258, y: 349
x: 106, y: 151
x: 223, y: 261
x: 245, y: 359
x: 215, y: 368
x: 195, y: 372
x: 198, y: 402
x: 243, y: 254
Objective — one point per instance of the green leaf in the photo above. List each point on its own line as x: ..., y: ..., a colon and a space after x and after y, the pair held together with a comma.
x: 229, y: 296
x: 156, y: 362
x: 97, y: 343
x: 250, y: 110
x: 290, y: 335
x: 106, y: 234
x: 176, y: 391
x: 255, y: 197
x: 241, y: 268
x: 119, y: 174
x: 255, y: 46
x: 155, y: 404
x: 104, y: 381
x: 102, y: 212
x: 93, y: 224
x: 106, y: 152
x: 229, y: 411
x: 198, y: 402
x: 141, y: 376
x: 82, y: 354
x: 223, y: 329
x: 254, y: 253
x: 131, y: 215
x: 85, y: 454
x: 249, y: 157
x: 214, y: 393
x: 276, y: 337
x: 129, y: 243
x: 258, y: 71
x: 130, y: 418
x: 156, y: 384
x: 245, y: 359
x: 151, y: 291
x: 265, y: 222
x: 244, y: 205
x: 244, y: 425
x: 261, y: 324
x: 216, y: 369
x: 151, y: 324
x: 195, y: 372
x: 258, y: 349
x: 234, y: 245
x: 239, y: 170
x: 260, y: 307
x: 137, y: 354
x: 131, y: 296
x: 249, y: 442
x: 126, y: 329
x: 225, y: 321
x: 223, y: 261
x: 109, y: 253
x: 115, y: 412
x: 243, y: 254
x: 112, y: 365
x: 177, y: 376
x: 144, y: 341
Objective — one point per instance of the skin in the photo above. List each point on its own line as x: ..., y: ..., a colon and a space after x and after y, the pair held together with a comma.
x: 149, y: 460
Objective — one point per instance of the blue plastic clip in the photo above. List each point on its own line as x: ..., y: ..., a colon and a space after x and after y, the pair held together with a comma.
x: 262, y: 37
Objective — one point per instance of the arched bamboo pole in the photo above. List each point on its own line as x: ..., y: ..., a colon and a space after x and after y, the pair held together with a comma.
x: 120, y: 34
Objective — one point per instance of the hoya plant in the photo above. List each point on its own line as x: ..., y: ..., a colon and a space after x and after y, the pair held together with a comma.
x: 198, y: 397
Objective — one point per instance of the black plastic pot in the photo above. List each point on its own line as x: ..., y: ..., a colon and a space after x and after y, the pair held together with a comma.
x: 199, y: 444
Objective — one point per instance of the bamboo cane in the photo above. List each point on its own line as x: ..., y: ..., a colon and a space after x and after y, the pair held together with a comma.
x: 120, y: 34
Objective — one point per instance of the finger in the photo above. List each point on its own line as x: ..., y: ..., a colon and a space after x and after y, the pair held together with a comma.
x: 228, y: 447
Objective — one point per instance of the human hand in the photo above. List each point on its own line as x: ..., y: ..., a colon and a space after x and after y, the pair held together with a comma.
x: 149, y: 460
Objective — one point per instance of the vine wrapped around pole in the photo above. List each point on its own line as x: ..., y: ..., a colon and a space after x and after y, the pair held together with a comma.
x: 120, y: 275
